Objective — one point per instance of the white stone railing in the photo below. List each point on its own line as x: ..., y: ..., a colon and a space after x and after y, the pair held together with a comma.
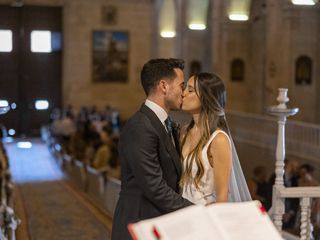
x: 302, y: 139
x: 282, y: 137
x: 280, y: 192
x: 306, y: 195
x: 289, y: 236
x: 305, y: 133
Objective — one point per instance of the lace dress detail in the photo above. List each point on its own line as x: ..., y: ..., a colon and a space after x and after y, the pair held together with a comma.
x: 206, y: 192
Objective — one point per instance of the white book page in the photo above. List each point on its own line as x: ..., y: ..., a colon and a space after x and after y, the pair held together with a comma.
x: 244, y: 221
x: 144, y: 230
x: 192, y: 223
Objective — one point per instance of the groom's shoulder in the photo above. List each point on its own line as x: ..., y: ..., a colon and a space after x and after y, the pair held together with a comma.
x: 137, y: 120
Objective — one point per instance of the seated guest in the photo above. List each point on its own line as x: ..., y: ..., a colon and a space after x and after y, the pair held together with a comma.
x: 4, y: 163
x: 90, y: 134
x: 290, y: 179
x: 63, y: 129
x: 259, y: 187
x: 92, y: 141
x: 306, y: 176
x: 55, y: 115
x: 308, y: 180
x: 70, y: 111
x: 77, y: 145
x: 315, y: 217
x: 107, y: 112
x: 105, y: 151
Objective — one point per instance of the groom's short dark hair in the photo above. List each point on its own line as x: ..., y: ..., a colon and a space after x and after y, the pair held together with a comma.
x: 156, y: 69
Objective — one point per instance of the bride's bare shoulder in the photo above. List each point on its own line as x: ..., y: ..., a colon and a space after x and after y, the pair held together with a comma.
x: 221, y: 138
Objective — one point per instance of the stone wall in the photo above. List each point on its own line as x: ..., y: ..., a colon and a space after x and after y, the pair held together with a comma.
x: 80, y: 19
x: 276, y: 34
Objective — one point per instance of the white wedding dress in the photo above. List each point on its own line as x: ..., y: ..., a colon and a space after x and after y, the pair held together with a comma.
x: 205, y: 194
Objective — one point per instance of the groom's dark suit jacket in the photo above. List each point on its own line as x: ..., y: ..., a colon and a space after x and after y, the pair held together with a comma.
x: 150, y: 172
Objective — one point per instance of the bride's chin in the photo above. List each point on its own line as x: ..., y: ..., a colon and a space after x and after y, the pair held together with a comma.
x: 184, y: 109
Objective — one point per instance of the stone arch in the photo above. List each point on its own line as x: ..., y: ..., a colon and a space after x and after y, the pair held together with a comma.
x: 237, y: 70
x: 303, y: 70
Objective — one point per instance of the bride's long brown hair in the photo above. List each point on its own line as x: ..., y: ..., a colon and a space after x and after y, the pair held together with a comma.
x: 212, y: 94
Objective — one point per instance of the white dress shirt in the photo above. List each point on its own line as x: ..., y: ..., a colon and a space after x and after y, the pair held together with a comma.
x: 159, y: 111
x: 161, y: 114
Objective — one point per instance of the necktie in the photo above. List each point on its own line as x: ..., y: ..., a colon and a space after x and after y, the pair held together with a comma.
x: 173, y: 133
x: 168, y: 123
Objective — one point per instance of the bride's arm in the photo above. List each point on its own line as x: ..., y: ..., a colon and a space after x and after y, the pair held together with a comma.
x: 221, y: 157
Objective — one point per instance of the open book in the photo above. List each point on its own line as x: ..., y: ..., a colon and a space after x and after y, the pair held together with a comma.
x: 220, y: 221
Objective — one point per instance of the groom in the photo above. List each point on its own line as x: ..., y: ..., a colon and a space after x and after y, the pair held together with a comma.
x: 149, y: 150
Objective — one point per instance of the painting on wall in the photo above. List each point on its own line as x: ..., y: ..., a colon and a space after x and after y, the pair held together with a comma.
x: 110, y: 56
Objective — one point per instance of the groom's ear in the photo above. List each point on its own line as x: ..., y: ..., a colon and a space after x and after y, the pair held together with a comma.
x: 163, y: 85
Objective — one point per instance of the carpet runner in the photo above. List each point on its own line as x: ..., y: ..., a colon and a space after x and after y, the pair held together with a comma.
x: 53, y: 210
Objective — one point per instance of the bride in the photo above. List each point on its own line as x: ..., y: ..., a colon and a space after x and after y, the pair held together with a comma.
x: 212, y: 172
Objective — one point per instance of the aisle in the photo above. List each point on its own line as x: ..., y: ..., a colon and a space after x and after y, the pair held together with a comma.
x: 51, y: 208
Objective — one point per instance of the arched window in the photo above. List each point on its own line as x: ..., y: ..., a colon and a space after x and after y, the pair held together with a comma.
x: 195, y: 67
x: 303, y: 70
x: 237, y: 70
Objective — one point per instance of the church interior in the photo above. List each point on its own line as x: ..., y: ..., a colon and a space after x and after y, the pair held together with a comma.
x: 70, y: 79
